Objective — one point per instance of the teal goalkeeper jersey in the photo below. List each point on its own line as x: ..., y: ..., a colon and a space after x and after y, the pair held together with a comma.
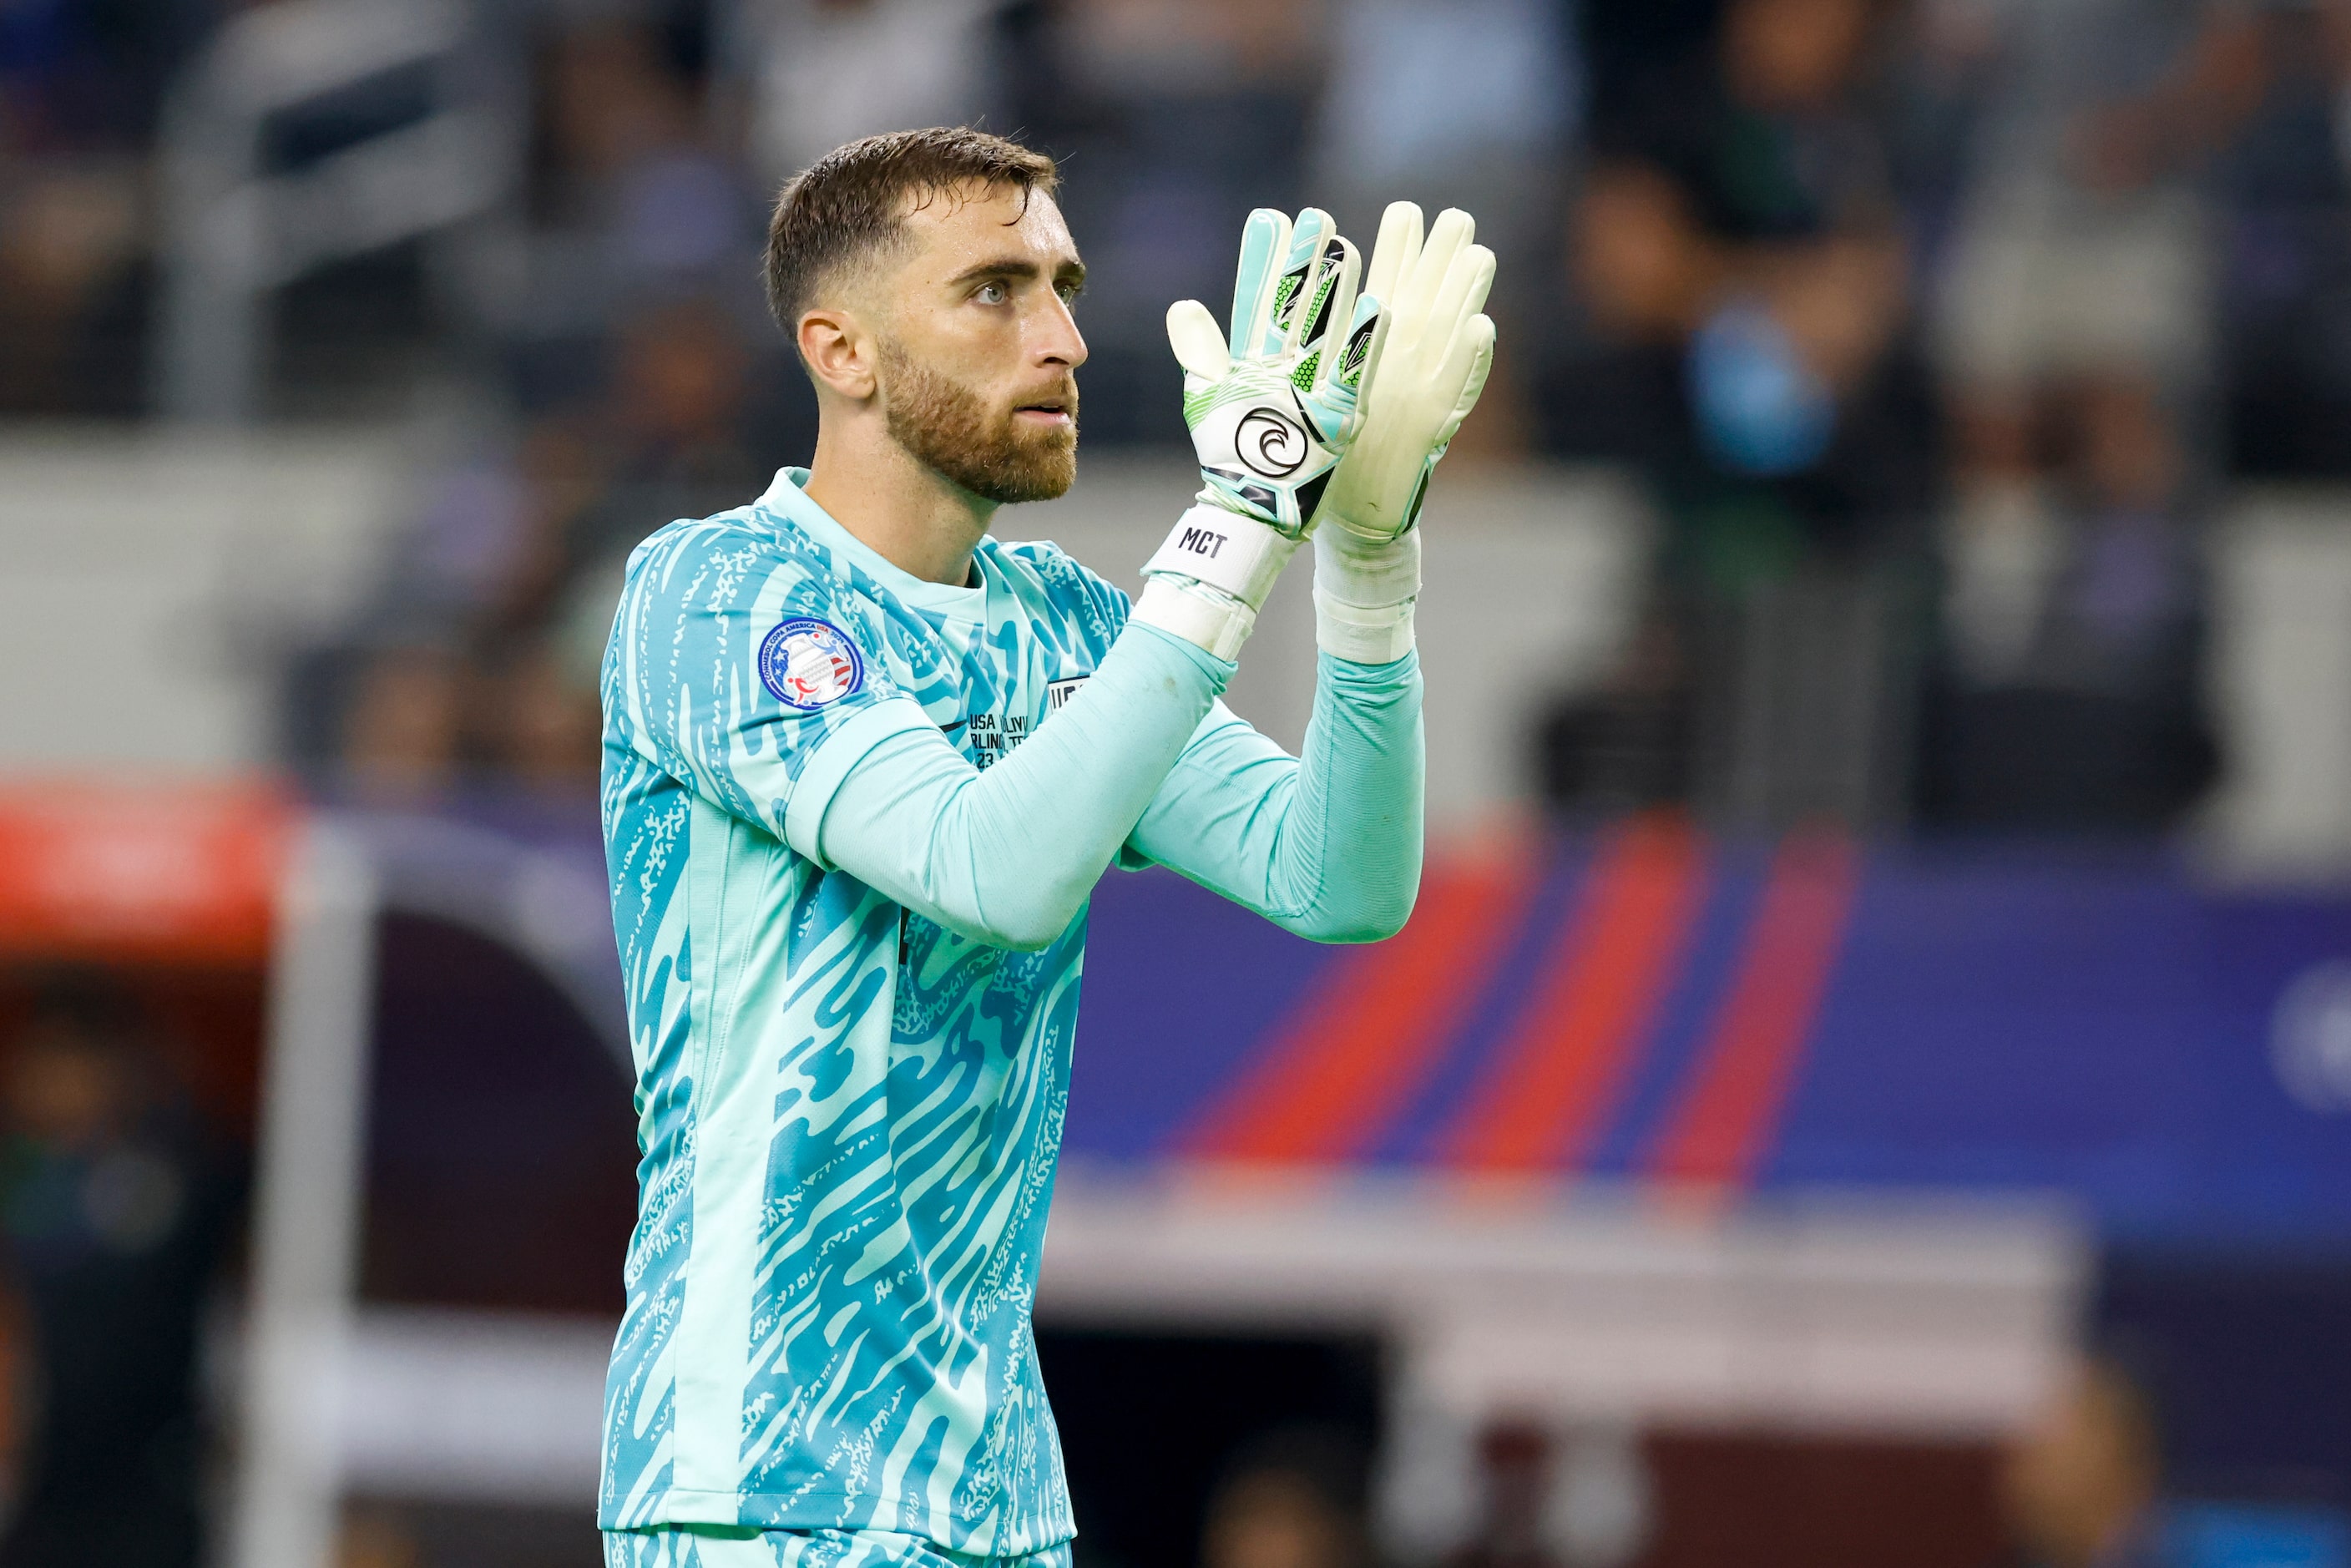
x: 849, y: 1116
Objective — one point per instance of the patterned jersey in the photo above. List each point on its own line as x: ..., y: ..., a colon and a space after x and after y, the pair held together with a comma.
x: 848, y: 1117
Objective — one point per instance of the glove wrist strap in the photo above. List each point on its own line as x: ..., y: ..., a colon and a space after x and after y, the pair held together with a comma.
x: 1362, y: 636
x: 1207, y: 617
x: 1364, y: 592
x: 1225, y: 550
x: 1369, y: 572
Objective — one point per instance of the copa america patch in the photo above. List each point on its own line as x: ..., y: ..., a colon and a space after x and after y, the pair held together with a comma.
x: 810, y: 663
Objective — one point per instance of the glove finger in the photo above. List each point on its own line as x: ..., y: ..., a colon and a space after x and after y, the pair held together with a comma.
x: 1395, y: 249
x: 1344, y: 380
x: 1302, y: 270
x: 1448, y: 237
x: 1420, y: 334
x: 1468, y: 361
x: 1265, y: 247
x: 1452, y: 231
x: 1330, y: 321
x: 1198, y: 341
x: 1463, y: 294
x: 1367, y: 339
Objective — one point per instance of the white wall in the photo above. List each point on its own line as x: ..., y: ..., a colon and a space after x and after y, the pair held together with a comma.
x: 1917, y: 1313
x: 2280, y: 678
x: 148, y: 583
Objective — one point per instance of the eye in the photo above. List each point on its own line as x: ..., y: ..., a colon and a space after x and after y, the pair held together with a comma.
x: 1068, y: 291
x: 994, y: 294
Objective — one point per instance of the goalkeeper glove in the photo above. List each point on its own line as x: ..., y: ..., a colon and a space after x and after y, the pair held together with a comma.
x: 1272, y: 408
x: 1434, y: 360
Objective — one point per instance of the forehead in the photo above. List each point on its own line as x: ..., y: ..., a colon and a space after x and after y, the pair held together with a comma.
x: 954, y: 230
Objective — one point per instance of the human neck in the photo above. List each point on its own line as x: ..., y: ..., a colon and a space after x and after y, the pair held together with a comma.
x: 909, y: 515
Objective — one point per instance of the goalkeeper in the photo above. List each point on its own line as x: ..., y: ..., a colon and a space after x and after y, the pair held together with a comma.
x: 863, y: 764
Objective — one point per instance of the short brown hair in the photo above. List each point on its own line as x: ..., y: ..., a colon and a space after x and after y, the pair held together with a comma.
x: 848, y: 203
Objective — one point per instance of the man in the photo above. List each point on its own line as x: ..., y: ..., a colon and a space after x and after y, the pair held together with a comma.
x: 864, y: 765
x: 113, y: 1215
x: 2079, y: 1487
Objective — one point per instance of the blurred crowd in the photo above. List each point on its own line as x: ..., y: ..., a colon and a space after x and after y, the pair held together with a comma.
x: 1937, y: 330
x: 118, y: 1203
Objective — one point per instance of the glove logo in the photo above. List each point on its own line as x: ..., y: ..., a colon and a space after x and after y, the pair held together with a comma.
x: 1358, y: 346
x: 810, y: 664
x: 1270, y: 445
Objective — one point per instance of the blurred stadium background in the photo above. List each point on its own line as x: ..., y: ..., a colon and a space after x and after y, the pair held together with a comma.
x: 1869, y: 1080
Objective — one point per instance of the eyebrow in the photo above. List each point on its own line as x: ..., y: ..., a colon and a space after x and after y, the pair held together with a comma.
x: 1020, y: 268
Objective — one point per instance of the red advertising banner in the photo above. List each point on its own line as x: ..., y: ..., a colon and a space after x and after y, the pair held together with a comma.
x: 177, y: 873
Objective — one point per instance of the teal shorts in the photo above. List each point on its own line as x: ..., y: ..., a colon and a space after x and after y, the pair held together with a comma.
x: 709, y: 1547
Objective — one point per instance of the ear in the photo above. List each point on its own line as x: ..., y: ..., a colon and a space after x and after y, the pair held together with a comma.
x: 839, y: 352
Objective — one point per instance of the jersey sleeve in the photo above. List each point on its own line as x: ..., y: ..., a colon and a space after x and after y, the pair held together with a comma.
x: 744, y: 670
x: 1328, y: 845
x: 1008, y: 856
x: 1095, y: 610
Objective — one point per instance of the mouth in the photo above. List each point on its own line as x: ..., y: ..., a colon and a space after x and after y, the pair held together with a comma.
x: 1050, y: 412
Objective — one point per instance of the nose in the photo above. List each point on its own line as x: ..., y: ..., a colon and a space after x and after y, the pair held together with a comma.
x: 1058, y: 343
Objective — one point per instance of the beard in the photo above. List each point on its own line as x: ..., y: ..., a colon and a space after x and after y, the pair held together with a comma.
x: 949, y: 429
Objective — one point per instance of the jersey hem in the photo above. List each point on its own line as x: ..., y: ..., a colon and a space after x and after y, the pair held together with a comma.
x: 682, y: 1508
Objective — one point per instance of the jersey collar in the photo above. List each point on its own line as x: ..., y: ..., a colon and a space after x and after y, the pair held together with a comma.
x: 787, y: 498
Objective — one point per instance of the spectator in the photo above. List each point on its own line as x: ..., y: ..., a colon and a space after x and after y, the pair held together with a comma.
x: 2079, y: 1487
x: 2074, y: 333
x: 2073, y: 697
x: 2081, y: 250
x: 634, y: 208
x: 79, y: 87
x: 72, y: 232
x: 377, y: 1538
x: 1738, y: 248
x: 1448, y: 105
x: 540, y: 724
x: 823, y: 72
x: 1291, y: 1499
x: 631, y: 167
x: 114, y: 1213
x: 403, y: 729
x: 490, y: 627
x: 2282, y: 199
x: 1741, y: 220
x: 1515, y: 1465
